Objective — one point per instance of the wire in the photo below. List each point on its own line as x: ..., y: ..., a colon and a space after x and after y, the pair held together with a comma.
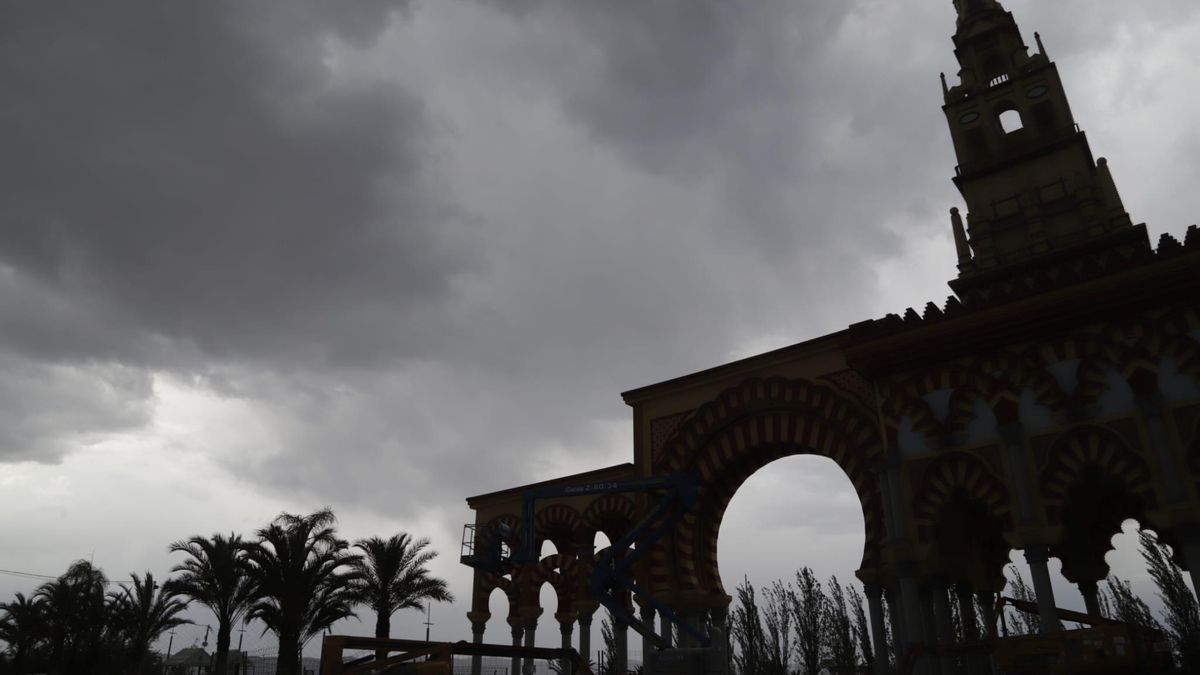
x: 47, y: 577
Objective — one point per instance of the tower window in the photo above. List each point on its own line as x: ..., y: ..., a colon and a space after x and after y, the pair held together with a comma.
x: 998, y: 80
x: 1010, y: 121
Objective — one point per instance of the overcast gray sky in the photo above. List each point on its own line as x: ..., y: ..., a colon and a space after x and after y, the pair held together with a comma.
x: 274, y: 255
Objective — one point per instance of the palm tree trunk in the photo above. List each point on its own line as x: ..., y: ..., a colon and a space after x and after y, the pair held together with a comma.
x: 224, y: 628
x: 288, y: 662
x: 383, y: 629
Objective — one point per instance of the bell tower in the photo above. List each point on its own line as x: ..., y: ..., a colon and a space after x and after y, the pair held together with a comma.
x: 1034, y: 195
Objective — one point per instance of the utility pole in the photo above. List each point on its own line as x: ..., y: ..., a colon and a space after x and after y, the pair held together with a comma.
x: 427, y: 622
x: 241, y: 656
x: 170, y: 643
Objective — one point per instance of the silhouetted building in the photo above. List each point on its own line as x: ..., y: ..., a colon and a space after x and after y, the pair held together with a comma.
x: 1053, y: 396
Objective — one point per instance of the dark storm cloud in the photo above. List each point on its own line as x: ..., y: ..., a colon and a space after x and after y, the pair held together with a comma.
x: 47, y: 411
x: 189, y: 181
x: 430, y: 251
x: 733, y: 204
x: 196, y: 172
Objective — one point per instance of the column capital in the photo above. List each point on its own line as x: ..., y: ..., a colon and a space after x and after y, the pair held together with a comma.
x: 585, y: 608
x: 528, y: 614
x: 1037, y: 554
x: 565, y: 619
x: 478, y: 617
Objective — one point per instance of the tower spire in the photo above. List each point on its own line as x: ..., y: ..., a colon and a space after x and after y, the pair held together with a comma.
x: 970, y: 9
x: 1033, y: 191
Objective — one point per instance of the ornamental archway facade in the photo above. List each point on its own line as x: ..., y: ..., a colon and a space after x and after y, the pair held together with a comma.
x: 1053, y: 396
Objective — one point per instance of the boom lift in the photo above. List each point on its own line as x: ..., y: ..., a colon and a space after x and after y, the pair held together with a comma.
x: 612, y: 573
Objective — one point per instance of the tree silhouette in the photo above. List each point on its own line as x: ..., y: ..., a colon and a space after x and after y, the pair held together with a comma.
x: 76, y: 614
x: 392, y: 575
x: 746, y: 631
x: 302, y: 581
x: 862, y: 631
x: 216, y: 576
x: 808, y: 610
x: 1122, y: 604
x: 1180, y: 610
x: 23, y: 628
x: 143, y: 611
x: 842, y: 651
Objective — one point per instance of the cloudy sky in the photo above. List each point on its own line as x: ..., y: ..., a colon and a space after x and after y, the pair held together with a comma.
x: 383, y: 255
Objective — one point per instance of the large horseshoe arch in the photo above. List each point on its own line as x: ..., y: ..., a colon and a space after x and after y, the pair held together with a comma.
x: 745, y: 428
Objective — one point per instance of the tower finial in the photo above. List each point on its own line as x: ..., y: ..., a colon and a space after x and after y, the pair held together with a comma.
x: 1037, y: 37
x: 961, y: 243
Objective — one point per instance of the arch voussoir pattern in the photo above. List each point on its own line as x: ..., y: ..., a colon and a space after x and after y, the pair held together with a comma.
x: 1098, y: 449
x: 959, y: 473
x: 749, y: 426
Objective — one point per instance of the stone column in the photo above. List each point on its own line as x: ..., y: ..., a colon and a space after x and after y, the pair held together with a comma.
x: 585, y: 636
x: 895, y: 613
x: 1013, y: 435
x: 1191, y: 556
x: 647, y: 645
x: 693, y: 619
x: 987, y: 606
x: 515, y: 622
x: 566, y: 626
x: 966, y: 614
x: 944, y: 624
x: 874, y: 594
x: 1091, y: 597
x: 666, y: 629
x: 530, y: 618
x: 718, y: 632
x: 621, y: 637
x: 1150, y: 401
x: 914, y: 616
x: 933, y: 664
x: 478, y: 626
x: 1037, y: 556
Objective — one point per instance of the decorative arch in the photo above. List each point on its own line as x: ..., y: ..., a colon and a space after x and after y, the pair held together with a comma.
x: 490, y: 581
x: 962, y: 512
x: 968, y: 383
x: 748, y: 426
x: 1016, y: 372
x: 612, y: 514
x: 958, y: 474
x: 560, y: 524
x: 560, y: 572
x: 510, y: 521
x: 1101, y: 452
x: 1097, y: 355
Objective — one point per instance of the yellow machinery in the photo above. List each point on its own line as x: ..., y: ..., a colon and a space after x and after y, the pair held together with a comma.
x: 1104, y: 647
x: 414, y: 657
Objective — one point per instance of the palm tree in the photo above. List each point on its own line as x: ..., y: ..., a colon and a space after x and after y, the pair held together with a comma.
x: 75, y: 612
x: 23, y: 627
x: 143, y: 611
x: 393, y: 576
x: 298, y: 568
x: 216, y: 576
